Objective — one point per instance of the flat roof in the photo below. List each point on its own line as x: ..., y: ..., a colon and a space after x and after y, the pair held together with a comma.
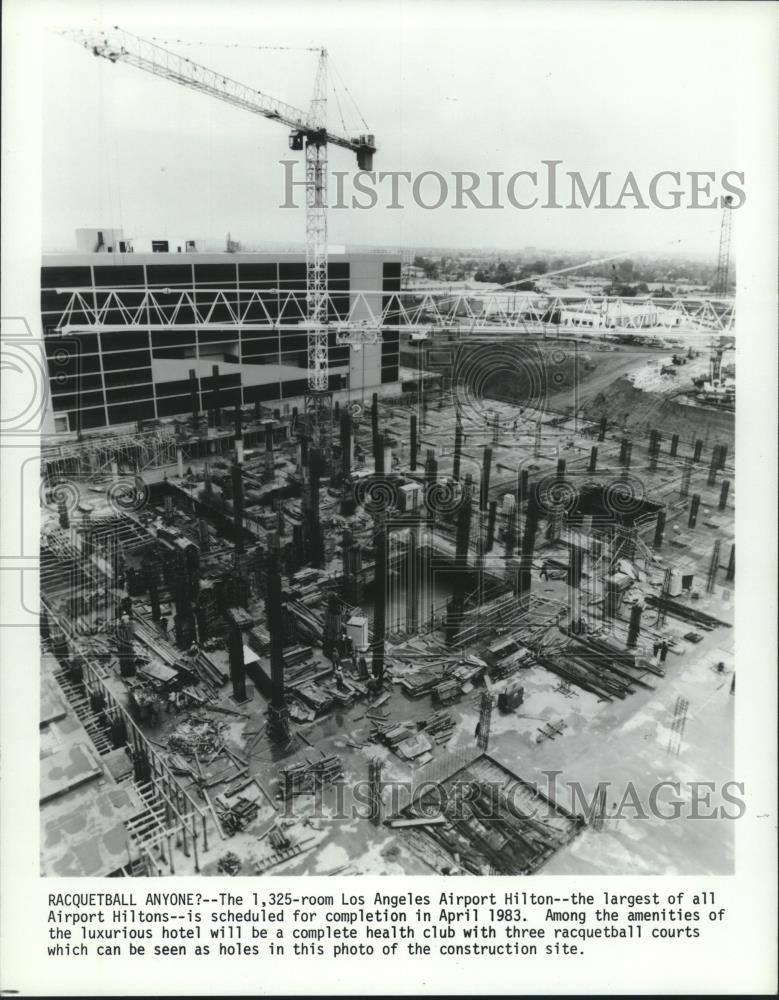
x: 76, y: 259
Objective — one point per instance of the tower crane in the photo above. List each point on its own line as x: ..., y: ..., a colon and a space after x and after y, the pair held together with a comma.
x: 309, y: 133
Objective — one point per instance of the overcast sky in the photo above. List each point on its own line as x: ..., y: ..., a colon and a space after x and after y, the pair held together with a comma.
x: 444, y: 86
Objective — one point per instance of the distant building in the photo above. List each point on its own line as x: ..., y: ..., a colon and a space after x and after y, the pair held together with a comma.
x: 132, y: 368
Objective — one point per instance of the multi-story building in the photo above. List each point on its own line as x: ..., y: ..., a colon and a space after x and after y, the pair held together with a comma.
x: 122, y: 361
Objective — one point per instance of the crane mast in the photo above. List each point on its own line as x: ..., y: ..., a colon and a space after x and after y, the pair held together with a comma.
x: 309, y: 133
x: 316, y: 231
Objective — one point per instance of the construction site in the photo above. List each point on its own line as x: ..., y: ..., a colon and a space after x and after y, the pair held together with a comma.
x: 354, y: 629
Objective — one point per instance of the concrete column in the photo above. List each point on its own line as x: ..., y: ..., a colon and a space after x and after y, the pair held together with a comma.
x: 695, y: 504
x: 237, y: 667
x: 194, y: 398
x: 215, y: 396
x: 275, y: 626
x: 593, y: 459
x: 493, y: 510
x: 484, y: 494
x: 180, y: 462
x: 378, y: 455
x: 524, y: 482
x: 380, y: 590
x: 458, y: 447
x: 346, y: 444
x: 674, y: 445
x: 412, y: 583
x: 684, y: 487
x: 659, y: 529
x: 237, y: 481
x: 634, y: 627
x: 723, y: 496
x: 238, y: 434
x: 712, y: 478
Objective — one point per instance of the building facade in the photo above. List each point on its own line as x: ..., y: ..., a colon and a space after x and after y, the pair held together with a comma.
x: 136, y: 367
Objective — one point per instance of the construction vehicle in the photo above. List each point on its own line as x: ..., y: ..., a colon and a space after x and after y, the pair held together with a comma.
x: 511, y: 697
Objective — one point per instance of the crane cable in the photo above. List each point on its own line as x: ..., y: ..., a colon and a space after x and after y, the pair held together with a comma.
x: 587, y: 263
x: 349, y: 93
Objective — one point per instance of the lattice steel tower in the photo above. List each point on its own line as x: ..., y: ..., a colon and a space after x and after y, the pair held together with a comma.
x: 723, y: 261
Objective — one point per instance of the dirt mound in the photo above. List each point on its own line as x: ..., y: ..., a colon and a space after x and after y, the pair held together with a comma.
x: 640, y: 411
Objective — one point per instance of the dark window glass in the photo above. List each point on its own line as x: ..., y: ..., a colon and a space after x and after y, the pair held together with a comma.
x: 163, y: 275
x: 125, y: 413
x: 77, y: 400
x: 134, y: 377
x: 258, y: 275
x: 60, y: 384
x: 65, y: 277
x: 117, y: 277
x: 176, y: 388
x: 218, y: 336
x: 89, y: 418
x: 172, y: 338
x: 124, y: 340
x: 174, y: 353
x: 217, y: 275
x: 169, y: 406
x: 126, y: 359
x: 293, y: 387
x: 73, y: 364
x: 261, y: 393
x: 128, y: 392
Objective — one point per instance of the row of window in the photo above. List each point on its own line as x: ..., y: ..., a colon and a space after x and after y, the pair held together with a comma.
x: 148, y: 402
x: 239, y: 282
x: 269, y: 275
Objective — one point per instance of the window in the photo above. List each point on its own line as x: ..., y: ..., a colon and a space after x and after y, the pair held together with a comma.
x: 159, y: 246
x: 61, y: 424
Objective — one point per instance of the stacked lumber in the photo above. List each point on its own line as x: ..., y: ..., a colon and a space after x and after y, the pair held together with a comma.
x: 394, y: 733
x: 685, y: 613
x: 307, y: 776
x: 440, y: 726
x: 306, y: 623
x: 314, y: 697
x: 239, y: 815
x: 447, y: 691
x: 209, y: 669
x: 294, y: 655
x: 420, y: 683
